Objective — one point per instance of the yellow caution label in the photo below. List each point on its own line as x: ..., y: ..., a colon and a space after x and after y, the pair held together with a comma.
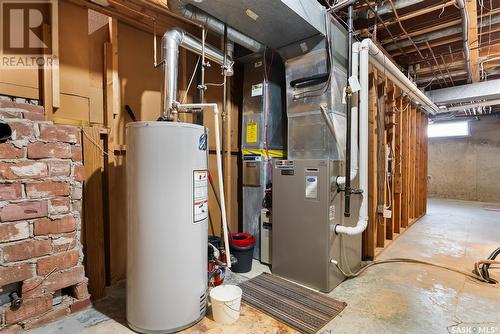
x: 252, y: 133
x: 270, y: 153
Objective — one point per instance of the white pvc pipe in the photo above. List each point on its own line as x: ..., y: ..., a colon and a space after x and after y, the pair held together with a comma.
x: 369, y: 52
x: 219, y: 170
x: 363, y: 145
x: 354, y: 122
x: 387, y: 67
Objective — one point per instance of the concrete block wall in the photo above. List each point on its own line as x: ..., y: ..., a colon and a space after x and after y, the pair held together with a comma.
x: 41, y: 180
x: 467, y: 168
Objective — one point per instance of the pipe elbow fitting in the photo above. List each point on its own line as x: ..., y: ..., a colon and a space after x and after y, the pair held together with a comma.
x: 358, y: 229
x: 174, y: 34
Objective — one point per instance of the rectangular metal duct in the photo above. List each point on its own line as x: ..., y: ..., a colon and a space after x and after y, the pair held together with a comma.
x: 275, y: 23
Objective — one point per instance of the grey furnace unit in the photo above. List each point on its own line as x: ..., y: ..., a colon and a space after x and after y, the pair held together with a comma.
x: 305, y: 208
x: 306, y: 201
x: 262, y: 134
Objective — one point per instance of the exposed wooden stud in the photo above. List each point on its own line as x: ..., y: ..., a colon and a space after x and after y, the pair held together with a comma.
x: 115, y: 160
x: 405, y: 163
x: 389, y: 126
x: 371, y: 233
x: 93, y: 215
x: 56, y: 81
x: 45, y: 75
x: 397, y: 171
x: 381, y: 172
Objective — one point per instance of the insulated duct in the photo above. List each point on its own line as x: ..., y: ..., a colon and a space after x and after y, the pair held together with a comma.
x: 209, y: 22
x: 170, y: 43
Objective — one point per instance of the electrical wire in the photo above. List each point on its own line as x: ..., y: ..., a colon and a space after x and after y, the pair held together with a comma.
x: 106, y: 153
x: 192, y: 75
x: 408, y: 260
x: 214, y: 84
x: 191, y: 80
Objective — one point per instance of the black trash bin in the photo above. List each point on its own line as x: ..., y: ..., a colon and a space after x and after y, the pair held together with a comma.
x: 242, y: 245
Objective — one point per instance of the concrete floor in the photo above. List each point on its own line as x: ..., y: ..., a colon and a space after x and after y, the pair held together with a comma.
x: 388, y: 298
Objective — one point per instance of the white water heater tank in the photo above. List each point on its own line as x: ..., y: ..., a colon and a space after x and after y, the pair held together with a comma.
x: 167, y: 182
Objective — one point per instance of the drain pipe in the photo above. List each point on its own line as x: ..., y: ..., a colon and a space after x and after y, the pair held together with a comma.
x: 171, y: 41
x: 386, y: 66
x: 370, y: 53
x: 362, y: 53
x: 222, y: 199
x: 465, y: 36
x: 198, y: 16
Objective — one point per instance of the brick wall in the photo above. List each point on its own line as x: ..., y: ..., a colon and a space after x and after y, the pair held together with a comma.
x: 41, y: 175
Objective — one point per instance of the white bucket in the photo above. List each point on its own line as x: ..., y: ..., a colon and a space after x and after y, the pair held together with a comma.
x: 226, y: 303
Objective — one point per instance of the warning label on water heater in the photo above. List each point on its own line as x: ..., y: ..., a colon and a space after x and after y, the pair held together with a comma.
x: 200, y: 195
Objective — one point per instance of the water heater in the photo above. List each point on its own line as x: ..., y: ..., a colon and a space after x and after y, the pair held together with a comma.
x: 167, y: 182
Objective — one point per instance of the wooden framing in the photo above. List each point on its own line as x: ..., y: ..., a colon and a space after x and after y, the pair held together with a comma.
x: 93, y: 215
x: 403, y: 179
x: 473, y: 39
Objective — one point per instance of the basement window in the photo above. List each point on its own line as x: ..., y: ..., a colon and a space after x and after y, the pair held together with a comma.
x: 448, y: 129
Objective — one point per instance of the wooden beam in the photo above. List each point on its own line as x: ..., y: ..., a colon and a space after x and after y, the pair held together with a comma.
x: 389, y: 137
x: 93, y: 213
x: 45, y: 75
x: 410, y: 49
x: 423, y: 31
x: 426, y: 161
x: 408, y: 16
x: 381, y: 172
x: 413, y: 144
x: 405, y: 162
x: 397, y: 171
x: 116, y: 160
x: 473, y: 39
x: 56, y: 80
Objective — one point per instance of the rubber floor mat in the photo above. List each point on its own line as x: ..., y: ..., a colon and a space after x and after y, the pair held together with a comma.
x: 300, y: 308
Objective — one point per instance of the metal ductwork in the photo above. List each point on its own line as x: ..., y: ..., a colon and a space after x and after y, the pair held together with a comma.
x: 279, y: 22
x: 170, y: 43
x: 465, y: 34
x: 209, y: 22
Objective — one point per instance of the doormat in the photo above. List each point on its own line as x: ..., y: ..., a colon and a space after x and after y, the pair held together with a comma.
x: 300, y: 308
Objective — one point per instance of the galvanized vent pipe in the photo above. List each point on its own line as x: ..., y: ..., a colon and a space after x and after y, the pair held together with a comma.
x: 200, y: 17
x: 171, y: 41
